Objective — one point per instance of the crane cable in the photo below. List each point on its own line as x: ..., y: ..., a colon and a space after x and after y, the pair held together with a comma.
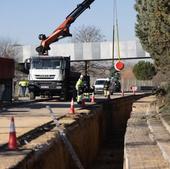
x: 118, y: 65
x: 113, y: 44
x: 117, y: 32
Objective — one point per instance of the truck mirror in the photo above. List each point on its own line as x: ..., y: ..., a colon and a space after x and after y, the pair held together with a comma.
x: 27, y: 64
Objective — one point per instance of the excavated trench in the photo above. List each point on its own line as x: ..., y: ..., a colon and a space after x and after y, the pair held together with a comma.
x: 96, y: 134
x: 111, y: 154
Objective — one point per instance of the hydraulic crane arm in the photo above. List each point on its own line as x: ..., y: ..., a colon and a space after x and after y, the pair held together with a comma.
x: 63, y: 30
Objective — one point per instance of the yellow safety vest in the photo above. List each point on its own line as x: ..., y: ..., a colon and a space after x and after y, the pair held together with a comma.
x: 79, y: 84
x: 23, y: 83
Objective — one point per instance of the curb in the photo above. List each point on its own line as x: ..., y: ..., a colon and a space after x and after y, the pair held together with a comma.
x: 165, y: 124
x: 159, y: 143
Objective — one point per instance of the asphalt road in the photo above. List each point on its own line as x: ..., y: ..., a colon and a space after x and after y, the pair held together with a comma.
x: 31, y: 115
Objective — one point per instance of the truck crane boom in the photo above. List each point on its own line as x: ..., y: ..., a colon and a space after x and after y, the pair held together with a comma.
x: 62, y: 30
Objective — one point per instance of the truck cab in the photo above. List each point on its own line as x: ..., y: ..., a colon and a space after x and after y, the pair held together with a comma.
x: 51, y: 75
x: 115, y: 86
x: 48, y: 75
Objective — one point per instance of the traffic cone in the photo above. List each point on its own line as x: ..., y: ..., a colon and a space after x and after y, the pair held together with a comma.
x: 12, y: 143
x: 92, y: 98
x: 72, y: 107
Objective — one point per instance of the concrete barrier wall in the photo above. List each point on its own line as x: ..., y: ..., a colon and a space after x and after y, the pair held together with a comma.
x: 85, y: 130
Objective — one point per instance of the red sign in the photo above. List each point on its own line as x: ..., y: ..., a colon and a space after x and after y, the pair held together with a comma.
x: 119, y: 65
x: 134, y: 88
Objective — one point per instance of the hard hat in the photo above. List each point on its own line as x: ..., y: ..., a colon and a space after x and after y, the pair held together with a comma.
x: 81, y: 76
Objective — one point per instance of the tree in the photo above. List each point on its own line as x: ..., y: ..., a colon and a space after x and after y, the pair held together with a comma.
x: 84, y: 34
x: 87, y: 34
x: 95, y: 69
x: 144, y: 70
x: 153, y: 30
x: 114, y: 73
x: 7, y: 48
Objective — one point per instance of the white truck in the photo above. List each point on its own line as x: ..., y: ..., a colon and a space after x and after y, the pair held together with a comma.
x: 51, y: 76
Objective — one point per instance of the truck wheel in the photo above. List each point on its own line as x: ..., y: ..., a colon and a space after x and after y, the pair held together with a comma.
x: 32, y: 96
x: 73, y: 95
x: 64, y: 95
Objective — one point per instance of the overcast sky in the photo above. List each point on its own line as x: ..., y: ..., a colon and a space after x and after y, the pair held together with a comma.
x: 24, y: 20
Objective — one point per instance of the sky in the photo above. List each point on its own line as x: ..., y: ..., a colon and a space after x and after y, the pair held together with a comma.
x: 23, y: 20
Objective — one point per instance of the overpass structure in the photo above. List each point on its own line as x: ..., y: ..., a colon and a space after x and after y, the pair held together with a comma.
x: 87, y: 51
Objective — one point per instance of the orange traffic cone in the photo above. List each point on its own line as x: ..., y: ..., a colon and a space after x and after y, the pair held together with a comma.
x: 12, y: 143
x: 92, y: 98
x: 72, y: 106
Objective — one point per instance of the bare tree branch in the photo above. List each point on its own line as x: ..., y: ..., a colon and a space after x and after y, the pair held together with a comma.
x: 95, y: 69
x: 7, y: 48
x: 87, y: 34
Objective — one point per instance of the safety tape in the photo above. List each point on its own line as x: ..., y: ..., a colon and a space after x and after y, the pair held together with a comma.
x: 65, y: 140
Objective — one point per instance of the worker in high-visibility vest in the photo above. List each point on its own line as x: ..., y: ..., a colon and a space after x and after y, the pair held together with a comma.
x: 80, y: 89
x: 106, y: 88
x: 23, y: 86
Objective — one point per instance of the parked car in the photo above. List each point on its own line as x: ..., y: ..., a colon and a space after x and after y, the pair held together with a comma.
x: 99, y: 85
x: 115, y: 86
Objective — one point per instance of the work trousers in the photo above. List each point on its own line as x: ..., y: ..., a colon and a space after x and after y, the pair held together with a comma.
x: 106, y: 92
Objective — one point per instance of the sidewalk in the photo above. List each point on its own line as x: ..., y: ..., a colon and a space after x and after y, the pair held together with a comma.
x: 147, y: 139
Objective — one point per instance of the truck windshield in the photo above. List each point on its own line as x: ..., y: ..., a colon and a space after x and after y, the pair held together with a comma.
x: 39, y: 63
